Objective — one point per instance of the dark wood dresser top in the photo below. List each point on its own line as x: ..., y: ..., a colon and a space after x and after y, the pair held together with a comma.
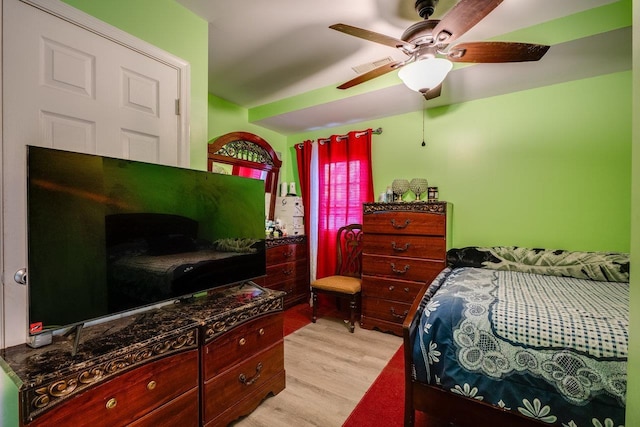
x: 110, y: 348
x: 439, y: 207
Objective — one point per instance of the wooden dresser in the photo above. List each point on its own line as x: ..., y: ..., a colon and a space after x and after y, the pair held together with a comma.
x: 240, y: 368
x: 202, y: 362
x: 404, y: 247
x: 288, y: 268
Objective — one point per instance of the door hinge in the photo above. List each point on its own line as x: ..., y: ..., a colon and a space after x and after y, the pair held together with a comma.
x: 177, y: 107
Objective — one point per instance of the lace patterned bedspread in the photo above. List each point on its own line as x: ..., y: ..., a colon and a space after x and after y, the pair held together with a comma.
x: 549, y: 347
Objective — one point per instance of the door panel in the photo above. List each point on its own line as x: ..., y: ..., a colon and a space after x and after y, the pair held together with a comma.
x: 68, y: 133
x: 68, y: 69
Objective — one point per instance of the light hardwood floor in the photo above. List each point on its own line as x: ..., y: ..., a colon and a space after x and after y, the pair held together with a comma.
x: 328, y: 372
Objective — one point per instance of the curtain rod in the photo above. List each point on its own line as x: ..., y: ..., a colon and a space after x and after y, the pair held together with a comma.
x: 341, y: 137
x: 358, y: 134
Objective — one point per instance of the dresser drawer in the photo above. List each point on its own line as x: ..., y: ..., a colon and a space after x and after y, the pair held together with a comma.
x: 240, y: 343
x: 399, y: 222
x: 413, y: 269
x: 233, y: 385
x: 391, y: 311
x: 183, y: 411
x: 285, y: 272
x: 294, y: 288
x: 285, y: 253
x: 391, y: 289
x: 129, y: 396
x: 405, y: 246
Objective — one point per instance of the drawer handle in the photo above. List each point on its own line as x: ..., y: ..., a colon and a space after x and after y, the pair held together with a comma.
x: 393, y: 268
x: 151, y: 385
x: 406, y: 290
x: 287, y: 272
x: 111, y: 403
x: 287, y: 254
x: 398, y: 316
x: 248, y: 381
x: 397, y: 249
x: 242, y: 341
x: 391, y: 288
x: 400, y: 226
x: 261, y: 331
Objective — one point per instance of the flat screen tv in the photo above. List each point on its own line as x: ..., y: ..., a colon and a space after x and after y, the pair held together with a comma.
x: 107, y: 235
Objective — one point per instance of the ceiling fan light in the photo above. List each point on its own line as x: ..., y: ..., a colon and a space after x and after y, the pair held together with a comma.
x: 426, y: 74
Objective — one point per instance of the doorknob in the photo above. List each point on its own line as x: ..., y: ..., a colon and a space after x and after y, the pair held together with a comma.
x: 21, y: 276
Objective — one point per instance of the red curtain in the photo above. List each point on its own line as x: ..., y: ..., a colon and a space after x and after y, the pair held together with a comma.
x: 345, y: 181
x: 248, y: 172
x: 303, y: 155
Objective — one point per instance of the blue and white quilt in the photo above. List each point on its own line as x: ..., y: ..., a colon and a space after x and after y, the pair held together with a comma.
x: 548, y: 347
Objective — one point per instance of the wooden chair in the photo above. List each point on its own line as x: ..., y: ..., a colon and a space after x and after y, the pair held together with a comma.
x: 346, y: 283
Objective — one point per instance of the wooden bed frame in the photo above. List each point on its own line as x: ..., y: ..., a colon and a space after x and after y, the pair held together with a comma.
x: 450, y: 408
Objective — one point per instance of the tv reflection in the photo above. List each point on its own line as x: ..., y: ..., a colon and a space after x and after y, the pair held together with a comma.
x: 154, y: 257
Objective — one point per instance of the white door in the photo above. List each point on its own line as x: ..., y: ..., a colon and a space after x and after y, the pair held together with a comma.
x: 69, y: 88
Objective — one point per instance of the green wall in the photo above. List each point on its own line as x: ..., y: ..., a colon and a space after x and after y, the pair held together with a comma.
x: 173, y: 28
x: 225, y: 117
x: 633, y: 372
x: 547, y: 167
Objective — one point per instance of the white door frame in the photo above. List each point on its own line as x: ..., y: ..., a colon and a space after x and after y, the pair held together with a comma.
x: 90, y: 23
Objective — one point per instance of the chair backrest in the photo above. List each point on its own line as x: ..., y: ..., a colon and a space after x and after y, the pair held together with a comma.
x: 349, y: 248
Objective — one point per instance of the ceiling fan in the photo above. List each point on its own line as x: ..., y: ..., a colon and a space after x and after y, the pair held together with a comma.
x: 428, y: 45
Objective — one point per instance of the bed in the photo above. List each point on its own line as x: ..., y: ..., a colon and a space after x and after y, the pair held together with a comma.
x: 152, y: 257
x: 509, y: 336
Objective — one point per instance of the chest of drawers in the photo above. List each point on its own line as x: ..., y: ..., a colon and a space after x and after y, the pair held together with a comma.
x: 288, y: 268
x: 404, y: 247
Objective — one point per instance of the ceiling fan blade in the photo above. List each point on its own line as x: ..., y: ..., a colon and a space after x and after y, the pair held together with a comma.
x: 462, y: 17
x: 373, y: 36
x: 376, y: 72
x: 495, y: 52
x: 432, y: 93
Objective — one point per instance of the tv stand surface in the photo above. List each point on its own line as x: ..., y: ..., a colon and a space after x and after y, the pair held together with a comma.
x: 151, y: 363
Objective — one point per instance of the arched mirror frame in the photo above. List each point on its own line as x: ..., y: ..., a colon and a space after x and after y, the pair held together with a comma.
x: 248, y: 150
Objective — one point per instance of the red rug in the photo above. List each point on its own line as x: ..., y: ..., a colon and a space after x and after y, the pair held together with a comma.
x: 383, y: 403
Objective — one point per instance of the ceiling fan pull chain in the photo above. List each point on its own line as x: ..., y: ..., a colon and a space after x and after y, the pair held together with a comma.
x: 424, y: 113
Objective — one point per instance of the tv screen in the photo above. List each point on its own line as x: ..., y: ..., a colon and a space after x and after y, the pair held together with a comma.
x: 108, y: 235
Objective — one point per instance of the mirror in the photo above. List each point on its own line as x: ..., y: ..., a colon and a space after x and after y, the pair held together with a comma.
x: 246, y: 154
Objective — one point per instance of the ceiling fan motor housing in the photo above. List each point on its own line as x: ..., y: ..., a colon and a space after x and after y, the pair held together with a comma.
x: 420, y: 33
x: 425, y: 8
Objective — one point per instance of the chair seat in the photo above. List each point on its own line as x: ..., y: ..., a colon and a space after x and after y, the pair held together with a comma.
x: 342, y: 284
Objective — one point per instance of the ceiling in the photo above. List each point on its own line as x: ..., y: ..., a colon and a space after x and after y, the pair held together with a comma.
x: 265, y: 51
